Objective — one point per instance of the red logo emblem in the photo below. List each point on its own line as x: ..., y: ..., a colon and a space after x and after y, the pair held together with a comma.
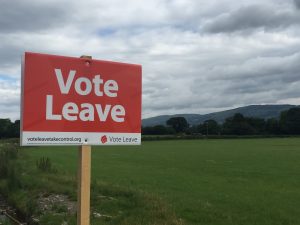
x: 103, y: 139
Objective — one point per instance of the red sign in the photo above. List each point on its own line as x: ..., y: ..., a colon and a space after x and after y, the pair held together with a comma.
x: 72, y: 101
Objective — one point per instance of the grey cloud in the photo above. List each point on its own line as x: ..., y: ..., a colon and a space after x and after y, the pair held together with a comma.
x: 222, y: 79
x: 184, y: 70
x: 297, y: 3
x: 10, y: 55
x: 285, y: 68
x: 262, y: 80
x: 253, y: 17
x: 27, y: 16
x: 10, y: 99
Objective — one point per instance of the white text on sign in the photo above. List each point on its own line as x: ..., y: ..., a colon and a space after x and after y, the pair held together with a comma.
x: 86, y: 111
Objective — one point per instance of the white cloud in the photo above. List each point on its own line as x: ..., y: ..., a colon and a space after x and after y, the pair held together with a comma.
x: 186, y: 69
x: 10, y: 98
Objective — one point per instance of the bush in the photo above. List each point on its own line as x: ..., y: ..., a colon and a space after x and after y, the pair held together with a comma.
x: 13, y: 178
x: 8, y: 152
x: 11, y: 150
x: 3, y: 165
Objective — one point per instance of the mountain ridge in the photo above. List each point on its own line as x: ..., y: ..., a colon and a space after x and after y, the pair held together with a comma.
x: 260, y: 111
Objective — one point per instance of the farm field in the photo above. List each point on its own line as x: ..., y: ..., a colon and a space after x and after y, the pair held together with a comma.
x: 217, y: 182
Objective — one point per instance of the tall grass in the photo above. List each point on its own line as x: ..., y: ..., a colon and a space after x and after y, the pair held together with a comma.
x: 25, y: 182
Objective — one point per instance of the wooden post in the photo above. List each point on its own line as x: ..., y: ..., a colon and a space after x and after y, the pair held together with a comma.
x: 84, y: 181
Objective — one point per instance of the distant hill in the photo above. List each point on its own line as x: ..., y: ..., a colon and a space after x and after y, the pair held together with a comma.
x: 260, y: 111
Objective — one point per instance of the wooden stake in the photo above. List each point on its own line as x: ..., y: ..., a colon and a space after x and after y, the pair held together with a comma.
x: 84, y: 183
x: 84, y: 180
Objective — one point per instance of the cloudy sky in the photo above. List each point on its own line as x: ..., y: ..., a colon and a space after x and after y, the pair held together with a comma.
x: 198, y: 56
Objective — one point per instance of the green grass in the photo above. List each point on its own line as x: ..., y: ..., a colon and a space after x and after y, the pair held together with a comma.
x: 220, y: 182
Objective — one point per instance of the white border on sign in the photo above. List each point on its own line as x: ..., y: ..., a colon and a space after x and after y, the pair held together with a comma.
x: 37, y: 138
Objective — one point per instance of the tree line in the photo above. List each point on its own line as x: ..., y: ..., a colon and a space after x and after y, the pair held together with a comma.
x: 9, y: 129
x: 288, y: 123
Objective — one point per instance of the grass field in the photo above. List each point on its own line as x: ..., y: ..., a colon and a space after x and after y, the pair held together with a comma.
x: 248, y: 181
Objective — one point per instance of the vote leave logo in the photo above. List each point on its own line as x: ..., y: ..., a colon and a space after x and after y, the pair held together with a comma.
x: 103, y: 139
x: 70, y: 98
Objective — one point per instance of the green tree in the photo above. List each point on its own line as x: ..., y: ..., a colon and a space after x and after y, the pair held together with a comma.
x: 238, y: 125
x: 14, y: 129
x: 157, y: 130
x: 273, y: 126
x: 160, y: 130
x: 258, y: 124
x: 290, y: 121
x: 178, y: 123
x: 209, y: 127
x: 192, y: 130
x: 5, y: 125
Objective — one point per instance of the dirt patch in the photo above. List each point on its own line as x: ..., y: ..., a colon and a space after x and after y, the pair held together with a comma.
x: 56, y: 203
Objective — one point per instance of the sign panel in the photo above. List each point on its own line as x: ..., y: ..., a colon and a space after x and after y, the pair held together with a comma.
x: 75, y: 101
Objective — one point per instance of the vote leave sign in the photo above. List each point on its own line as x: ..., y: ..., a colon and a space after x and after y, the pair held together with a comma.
x: 75, y: 101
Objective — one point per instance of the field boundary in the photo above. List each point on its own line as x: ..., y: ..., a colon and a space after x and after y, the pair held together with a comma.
x: 202, y: 137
